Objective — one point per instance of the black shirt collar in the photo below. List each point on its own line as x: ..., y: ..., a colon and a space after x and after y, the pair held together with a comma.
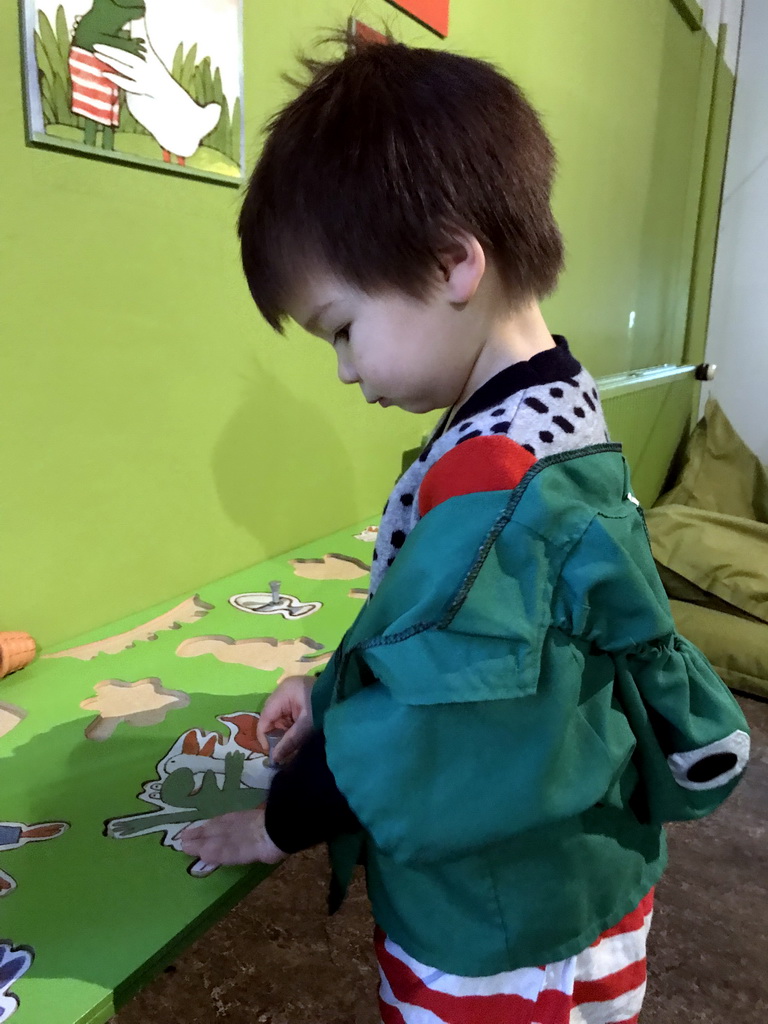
x: 547, y: 367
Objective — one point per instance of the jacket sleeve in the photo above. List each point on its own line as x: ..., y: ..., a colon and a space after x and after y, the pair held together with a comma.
x: 474, y: 754
x: 304, y: 805
x: 692, y: 740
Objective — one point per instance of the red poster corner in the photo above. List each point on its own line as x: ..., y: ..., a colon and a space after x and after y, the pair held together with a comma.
x: 432, y: 13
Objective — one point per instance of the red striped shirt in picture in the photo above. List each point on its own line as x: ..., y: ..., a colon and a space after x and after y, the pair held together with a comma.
x: 93, y: 95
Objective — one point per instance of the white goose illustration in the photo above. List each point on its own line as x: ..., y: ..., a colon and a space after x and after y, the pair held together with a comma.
x: 156, y: 99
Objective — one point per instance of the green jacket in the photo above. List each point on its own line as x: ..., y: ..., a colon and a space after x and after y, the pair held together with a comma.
x: 513, y: 716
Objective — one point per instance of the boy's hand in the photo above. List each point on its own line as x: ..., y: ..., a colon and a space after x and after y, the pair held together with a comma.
x: 288, y: 708
x: 235, y: 838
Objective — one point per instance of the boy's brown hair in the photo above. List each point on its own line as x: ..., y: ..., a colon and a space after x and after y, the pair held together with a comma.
x: 385, y: 153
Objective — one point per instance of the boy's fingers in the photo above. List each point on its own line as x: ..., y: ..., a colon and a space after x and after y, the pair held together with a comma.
x: 197, y: 833
x: 271, y: 715
x: 208, y: 849
x: 267, y: 722
x: 287, y: 745
x: 280, y: 752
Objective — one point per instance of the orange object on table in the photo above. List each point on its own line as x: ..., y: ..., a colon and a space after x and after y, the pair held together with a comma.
x: 16, y: 651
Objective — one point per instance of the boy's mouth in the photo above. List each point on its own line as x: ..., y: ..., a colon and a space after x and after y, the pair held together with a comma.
x: 383, y: 402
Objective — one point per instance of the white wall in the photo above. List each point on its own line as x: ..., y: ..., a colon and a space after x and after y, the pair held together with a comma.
x: 738, y: 329
x: 727, y: 12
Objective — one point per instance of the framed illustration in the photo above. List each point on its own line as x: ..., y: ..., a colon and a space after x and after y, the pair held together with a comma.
x: 157, y: 83
x: 431, y: 13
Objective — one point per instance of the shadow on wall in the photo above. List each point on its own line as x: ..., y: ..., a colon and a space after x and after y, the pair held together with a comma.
x: 282, y: 469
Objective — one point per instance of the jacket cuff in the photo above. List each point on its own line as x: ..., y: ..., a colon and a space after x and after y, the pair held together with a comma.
x: 305, y: 806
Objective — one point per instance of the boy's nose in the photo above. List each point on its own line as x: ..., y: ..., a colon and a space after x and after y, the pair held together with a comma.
x: 347, y: 374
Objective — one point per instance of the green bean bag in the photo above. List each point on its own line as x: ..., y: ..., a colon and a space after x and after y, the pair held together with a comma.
x: 709, y: 535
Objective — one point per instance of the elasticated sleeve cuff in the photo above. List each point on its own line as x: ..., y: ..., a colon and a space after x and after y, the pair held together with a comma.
x: 305, y: 806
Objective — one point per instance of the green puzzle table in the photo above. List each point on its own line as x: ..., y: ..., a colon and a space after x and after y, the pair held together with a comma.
x: 104, y: 915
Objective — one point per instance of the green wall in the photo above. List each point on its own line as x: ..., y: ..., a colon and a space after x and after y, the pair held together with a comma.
x: 156, y: 435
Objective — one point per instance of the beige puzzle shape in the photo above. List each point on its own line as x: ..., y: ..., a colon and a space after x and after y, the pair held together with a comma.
x: 10, y: 716
x: 294, y: 657
x: 188, y: 611
x: 359, y: 593
x: 330, y: 567
x: 145, y: 702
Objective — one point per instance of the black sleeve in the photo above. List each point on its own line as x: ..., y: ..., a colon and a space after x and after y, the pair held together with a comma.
x: 305, y: 806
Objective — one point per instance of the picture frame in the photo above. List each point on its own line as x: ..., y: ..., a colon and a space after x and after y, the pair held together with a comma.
x: 157, y: 84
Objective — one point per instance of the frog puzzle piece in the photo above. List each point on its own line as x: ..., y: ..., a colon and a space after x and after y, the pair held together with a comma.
x: 202, y: 776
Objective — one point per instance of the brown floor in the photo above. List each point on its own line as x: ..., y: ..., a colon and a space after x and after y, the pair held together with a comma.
x: 277, y: 959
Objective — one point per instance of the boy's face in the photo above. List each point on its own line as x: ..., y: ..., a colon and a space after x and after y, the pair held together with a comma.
x: 415, y: 354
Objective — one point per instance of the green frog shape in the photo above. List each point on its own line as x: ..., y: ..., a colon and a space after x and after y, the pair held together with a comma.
x: 177, y: 791
x: 105, y: 24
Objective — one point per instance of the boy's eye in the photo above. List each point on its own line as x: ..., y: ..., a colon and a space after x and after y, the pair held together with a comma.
x: 341, y: 335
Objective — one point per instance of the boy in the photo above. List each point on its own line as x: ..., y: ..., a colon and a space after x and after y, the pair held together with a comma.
x: 511, y: 717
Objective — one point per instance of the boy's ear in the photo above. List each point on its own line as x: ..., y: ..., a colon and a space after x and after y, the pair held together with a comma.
x: 462, y: 262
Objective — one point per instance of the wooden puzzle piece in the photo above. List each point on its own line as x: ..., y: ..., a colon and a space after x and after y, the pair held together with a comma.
x: 294, y: 657
x: 330, y: 567
x: 14, y: 834
x: 202, y: 776
x: 15, y: 961
x: 275, y: 603
x: 358, y: 593
x: 188, y: 611
x: 145, y: 702
x: 10, y: 716
x: 369, y: 534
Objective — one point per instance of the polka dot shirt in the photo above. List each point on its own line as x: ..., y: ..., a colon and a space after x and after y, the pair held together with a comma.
x: 547, y: 404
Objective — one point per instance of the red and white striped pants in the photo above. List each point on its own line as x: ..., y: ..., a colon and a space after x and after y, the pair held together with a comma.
x: 603, y: 984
